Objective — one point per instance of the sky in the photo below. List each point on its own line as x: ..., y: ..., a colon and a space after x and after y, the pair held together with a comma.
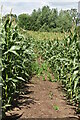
x: 27, y: 6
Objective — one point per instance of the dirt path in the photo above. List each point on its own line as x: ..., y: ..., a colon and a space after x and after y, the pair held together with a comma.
x: 42, y: 99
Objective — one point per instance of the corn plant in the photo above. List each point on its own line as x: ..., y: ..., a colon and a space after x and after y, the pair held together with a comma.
x: 17, y: 61
x: 64, y: 60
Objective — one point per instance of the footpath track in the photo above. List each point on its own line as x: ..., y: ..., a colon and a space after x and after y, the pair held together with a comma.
x: 42, y: 99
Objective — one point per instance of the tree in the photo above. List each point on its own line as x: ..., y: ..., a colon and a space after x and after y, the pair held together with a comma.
x: 52, y: 18
x: 24, y: 21
x: 64, y: 20
x: 47, y: 19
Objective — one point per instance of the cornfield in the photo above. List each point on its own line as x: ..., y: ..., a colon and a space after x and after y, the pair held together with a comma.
x: 63, y: 58
x: 18, y: 58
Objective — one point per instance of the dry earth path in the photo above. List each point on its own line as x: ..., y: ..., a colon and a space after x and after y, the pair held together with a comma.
x: 42, y: 99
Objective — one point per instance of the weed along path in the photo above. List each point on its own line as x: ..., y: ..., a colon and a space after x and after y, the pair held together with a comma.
x: 41, y: 98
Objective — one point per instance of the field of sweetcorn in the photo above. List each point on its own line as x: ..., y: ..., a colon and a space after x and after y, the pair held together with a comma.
x: 20, y: 50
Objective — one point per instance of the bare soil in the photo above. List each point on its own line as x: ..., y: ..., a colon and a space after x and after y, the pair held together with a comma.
x: 42, y: 99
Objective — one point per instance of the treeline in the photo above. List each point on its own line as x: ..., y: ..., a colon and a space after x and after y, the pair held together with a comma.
x: 47, y: 19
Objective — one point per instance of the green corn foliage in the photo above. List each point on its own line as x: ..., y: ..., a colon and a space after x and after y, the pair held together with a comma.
x: 17, y: 61
x: 64, y: 60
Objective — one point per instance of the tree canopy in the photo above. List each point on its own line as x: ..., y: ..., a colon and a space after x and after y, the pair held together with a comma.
x: 47, y: 19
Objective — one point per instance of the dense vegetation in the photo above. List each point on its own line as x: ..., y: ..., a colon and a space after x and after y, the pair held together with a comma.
x: 17, y: 61
x: 47, y: 19
x: 37, y: 35
x: 18, y: 57
x: 63, y: 58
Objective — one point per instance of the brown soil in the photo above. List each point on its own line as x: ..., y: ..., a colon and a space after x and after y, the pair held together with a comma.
x: 40, y: 99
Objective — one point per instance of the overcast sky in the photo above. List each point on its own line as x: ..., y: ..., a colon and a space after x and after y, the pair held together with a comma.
x: 27, y: 6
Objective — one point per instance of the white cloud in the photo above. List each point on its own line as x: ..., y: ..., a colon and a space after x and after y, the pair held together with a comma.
x: 44, y: 1
x: 27, y: 6
x: 63, y: 1
x: 16, y: 1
